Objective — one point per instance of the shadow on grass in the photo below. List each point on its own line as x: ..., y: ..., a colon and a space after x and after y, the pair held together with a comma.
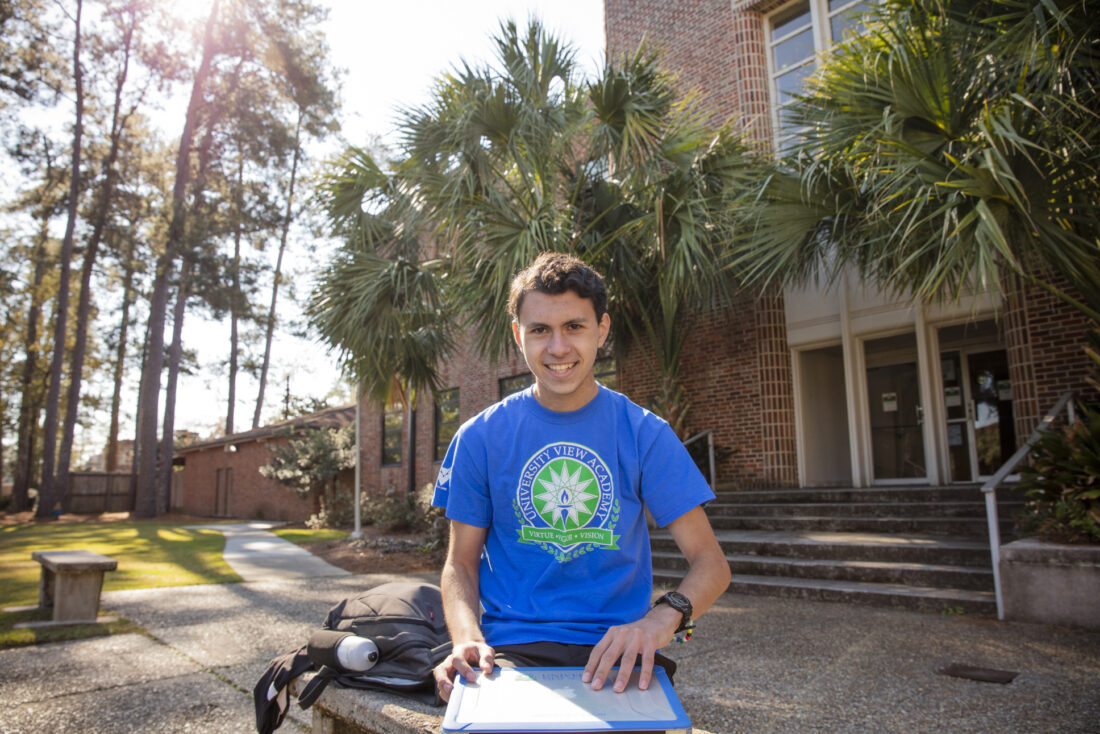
x: 149, y: 554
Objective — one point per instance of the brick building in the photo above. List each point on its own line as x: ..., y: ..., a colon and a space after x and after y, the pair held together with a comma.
x: 845, y: 385
x: 221, y: 477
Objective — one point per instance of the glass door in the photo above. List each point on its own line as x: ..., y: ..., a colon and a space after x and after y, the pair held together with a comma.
x: 978, y: 404
x: 990, y: 407
x: 897, y: 438
x: 959, y: 431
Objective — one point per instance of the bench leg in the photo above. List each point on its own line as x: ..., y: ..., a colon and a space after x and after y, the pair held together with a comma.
x: 76, y: 596
x: 46, y: 588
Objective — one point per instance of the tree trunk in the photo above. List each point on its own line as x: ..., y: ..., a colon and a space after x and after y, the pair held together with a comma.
x: 120, y: 359
x: 52, y: 491
x: 287, y: 219
x: 145, y: 502
x: 103, y: 205
x: 175, y: 352
x: 30, y: 405
x: 235, y: 297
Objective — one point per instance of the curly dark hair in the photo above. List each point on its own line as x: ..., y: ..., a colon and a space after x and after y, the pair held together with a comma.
x: 554, y: 273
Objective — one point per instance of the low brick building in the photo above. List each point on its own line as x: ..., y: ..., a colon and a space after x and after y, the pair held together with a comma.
x: 221, y: 478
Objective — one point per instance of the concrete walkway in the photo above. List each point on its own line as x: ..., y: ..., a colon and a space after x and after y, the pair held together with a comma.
x: 757, y: 664
x: 258, y: 555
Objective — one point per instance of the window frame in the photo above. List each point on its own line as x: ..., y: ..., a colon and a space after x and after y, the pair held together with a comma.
x: 440, y: 448
x: 821, y: 17
x: 527, y: 378
x: 389, y: 410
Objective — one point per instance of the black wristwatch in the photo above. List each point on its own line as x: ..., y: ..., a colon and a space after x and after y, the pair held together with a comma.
x: 680, y: 603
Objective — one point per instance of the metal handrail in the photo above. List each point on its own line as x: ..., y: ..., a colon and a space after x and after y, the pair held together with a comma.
x: 710, y: 452
x: 990, y: 488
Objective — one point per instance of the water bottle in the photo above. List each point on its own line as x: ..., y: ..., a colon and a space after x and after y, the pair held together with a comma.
x: 342, y: 650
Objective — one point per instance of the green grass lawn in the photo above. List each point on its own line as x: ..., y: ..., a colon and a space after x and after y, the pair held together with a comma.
x: 148, y: 553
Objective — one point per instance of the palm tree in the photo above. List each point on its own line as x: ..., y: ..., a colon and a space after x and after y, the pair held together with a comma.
x: 953, y: 145
x: 508, y: 161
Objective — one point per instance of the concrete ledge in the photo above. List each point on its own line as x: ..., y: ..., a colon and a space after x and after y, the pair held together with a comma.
x: 357, y: 711
x: 64, y: 623
x: 1051, y: 584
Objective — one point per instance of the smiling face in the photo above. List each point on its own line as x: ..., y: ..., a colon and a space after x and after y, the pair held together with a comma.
x: 560, y: 336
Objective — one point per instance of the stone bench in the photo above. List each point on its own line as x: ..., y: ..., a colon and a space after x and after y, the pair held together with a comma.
x: 358, y: 711
x: 70, y: 583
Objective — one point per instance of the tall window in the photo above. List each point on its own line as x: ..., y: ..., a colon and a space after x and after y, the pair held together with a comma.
x: 797, y: 33
x: 606, y: 373
x: 446, y: 420
x: 514, y: 384
x: 393, y: 425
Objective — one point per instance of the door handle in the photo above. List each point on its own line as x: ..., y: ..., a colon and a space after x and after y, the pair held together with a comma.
x: 920, y: 415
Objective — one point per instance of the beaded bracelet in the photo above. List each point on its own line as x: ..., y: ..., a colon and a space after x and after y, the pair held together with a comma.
x: 688, y: 631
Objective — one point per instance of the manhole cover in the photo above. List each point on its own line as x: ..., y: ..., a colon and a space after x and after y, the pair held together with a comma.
x: 985, y: 675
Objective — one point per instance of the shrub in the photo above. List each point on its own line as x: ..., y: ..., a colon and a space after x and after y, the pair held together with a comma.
x: 1063, y: 483
x: 400, y: 511
x: 392, y: 511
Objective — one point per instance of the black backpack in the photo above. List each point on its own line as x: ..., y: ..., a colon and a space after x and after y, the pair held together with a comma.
x: 405, y: 622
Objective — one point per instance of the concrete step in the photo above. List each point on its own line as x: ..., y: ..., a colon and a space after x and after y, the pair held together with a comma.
x: 957, y: 526
x: 944, y: 600
x: 916, y: 547
x: 968, y: 510
x: 954, y: 493
x: 896, y: 548
x: 888, y: 572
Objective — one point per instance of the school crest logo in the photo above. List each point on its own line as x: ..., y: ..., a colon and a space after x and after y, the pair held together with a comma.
x: 565, y: 502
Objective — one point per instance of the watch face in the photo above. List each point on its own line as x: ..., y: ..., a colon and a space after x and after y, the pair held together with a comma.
x: 679, y: 602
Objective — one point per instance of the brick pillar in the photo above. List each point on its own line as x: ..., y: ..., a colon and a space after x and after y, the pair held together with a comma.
x: 776, y: 388
x: 1021, y: 363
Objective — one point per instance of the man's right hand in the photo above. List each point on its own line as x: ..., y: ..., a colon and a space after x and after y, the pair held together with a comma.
x: 461, y: 661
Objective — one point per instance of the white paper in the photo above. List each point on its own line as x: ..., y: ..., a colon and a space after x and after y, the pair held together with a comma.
x: 954, y: 434
x: 557, y: 696
x: 952, y: 397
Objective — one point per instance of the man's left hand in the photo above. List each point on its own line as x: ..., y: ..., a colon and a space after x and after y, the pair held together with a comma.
x: 626, y: 643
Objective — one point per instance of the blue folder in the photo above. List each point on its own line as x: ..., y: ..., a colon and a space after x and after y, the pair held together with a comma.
x: 530, y: 700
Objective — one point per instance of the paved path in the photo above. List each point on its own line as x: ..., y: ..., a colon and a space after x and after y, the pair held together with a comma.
x: 258, y: 555
x: 757, y: 664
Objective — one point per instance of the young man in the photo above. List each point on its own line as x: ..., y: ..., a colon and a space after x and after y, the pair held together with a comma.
x: 546, y: 493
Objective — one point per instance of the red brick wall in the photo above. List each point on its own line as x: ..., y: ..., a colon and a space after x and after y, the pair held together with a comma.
x: 736, y: 373
x: 736, y: 366
x: 478, y: 383
x: 252, y: 496
x: 1045, y: 339
x: 712, y: 49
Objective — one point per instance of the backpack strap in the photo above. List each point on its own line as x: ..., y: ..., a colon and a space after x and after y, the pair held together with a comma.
x: 271, y: 695
x: 313, y: 690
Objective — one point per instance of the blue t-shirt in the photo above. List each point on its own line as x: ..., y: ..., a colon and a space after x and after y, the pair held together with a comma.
x: 563, y: 495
